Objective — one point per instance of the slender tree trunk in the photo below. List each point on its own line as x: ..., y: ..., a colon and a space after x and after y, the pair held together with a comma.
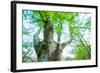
x: 58, y: 49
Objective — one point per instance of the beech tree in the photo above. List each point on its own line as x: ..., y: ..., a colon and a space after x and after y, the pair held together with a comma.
x: 50, y: 23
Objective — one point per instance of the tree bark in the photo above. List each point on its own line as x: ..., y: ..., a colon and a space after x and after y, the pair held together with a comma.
x: 47, y: 42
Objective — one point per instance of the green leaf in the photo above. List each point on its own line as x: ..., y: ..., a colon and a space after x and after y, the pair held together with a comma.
x: 58, y: 30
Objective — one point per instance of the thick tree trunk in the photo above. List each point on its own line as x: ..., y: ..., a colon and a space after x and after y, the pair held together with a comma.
x: 47, y: 42
x: 48, y: 50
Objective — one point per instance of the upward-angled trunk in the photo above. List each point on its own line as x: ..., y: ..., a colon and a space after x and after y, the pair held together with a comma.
x: 48, y: 31
x: 47, y: 42
x: 58, y: 49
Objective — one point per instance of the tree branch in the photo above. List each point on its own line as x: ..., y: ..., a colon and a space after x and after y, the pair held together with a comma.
x: 42, y: 17
x: 66, y: 43
x: 45, y: 15
x: 83, y: 27
x: 38, y: 21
